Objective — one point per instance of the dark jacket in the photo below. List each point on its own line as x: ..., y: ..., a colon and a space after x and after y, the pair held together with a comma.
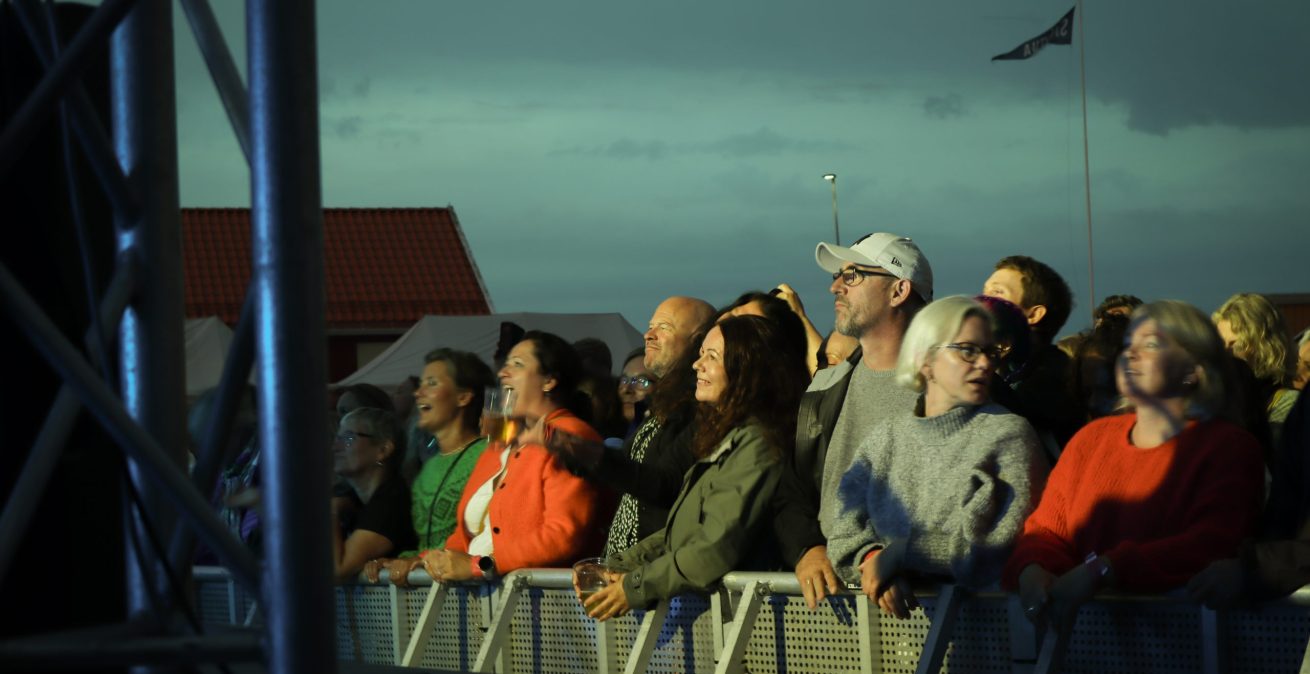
x: 1279, y: 564
x: 714, y: 526
x: 1043, y: 397
x: 796, y: 503
x: 654, y: 481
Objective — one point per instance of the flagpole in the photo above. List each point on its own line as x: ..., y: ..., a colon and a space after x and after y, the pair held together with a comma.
x: 1087, y: 171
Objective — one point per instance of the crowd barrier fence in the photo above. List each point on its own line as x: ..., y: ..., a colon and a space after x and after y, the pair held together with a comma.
x: 531, y: 621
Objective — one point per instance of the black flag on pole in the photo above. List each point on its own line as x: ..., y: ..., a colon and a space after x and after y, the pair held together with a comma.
x: 1060, y: 33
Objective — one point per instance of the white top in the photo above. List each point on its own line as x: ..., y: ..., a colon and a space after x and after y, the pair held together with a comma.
x: 477, y: 515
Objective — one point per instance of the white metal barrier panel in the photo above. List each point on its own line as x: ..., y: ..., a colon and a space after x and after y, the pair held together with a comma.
x: 758, y: 623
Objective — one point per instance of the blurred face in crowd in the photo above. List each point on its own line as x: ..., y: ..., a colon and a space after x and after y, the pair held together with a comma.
x: 711, y: 377
x: 1230, y: 338
x: 1153, y: 366
x: 863, y: 305
x: 635, y: 382
x: 438, y: 401
x: 1302, y: 368
x: 356, y: 450
x: 1006, y: 284
x: 522, y: 372
x: 959, y: 373
x: 669, y: 334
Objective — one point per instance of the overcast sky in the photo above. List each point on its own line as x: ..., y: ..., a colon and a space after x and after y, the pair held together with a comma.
x: 604, y: 155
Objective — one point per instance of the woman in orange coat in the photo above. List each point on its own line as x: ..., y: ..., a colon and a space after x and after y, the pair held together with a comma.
x: 521, y: 507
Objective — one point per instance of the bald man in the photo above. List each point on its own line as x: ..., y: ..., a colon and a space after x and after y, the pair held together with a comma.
x: 649, y: 468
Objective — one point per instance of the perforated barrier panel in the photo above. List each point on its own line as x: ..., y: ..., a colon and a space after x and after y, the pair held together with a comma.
x: 549, y: 633
x: 1269, y: 638
x: 459, y: 628
x: 788, y: 637
x: 364, y: 629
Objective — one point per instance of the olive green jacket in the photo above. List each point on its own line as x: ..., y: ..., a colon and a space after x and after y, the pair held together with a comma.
x: 716, y: 525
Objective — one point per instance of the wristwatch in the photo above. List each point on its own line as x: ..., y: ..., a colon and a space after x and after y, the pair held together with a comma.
x: 487, y: 567
x: 1099, y: 565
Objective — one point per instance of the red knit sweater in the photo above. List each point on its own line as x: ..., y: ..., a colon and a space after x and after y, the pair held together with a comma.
x: 541, y: 514
x: 1160, y: 514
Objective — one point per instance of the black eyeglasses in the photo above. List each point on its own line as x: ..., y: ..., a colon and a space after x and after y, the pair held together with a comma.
x: 969, y: 352
x: 640, y: 381
x: 852, y: 276
x: 348, y: 438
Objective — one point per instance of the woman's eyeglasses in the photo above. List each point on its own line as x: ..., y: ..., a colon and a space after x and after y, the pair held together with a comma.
x: 851, y: 276
x: 640, y: 381
x: 970, y: 352
x: 349, y: 437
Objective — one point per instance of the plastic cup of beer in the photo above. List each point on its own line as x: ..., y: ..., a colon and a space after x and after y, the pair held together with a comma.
x: 497, y: 409
x: 590, y: 576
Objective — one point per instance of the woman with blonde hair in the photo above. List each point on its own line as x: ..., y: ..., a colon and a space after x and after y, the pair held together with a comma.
x: 942, y: 489
x: 1254, y: 331
x: 1143, y: 501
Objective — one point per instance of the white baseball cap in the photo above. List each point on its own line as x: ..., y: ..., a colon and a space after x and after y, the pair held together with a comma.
x: 896, y: 254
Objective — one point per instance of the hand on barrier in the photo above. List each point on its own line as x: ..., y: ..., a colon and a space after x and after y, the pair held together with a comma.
x: 1068, y: 593
x: 373, y: 569
x: 398, y: 570
x: 1034, y: 592
x: 609, y: 602
x: 448, y: 565
x: 897, y: 599
x: 1219, y: 585
x: 815, y: 574
x: 878, y: 577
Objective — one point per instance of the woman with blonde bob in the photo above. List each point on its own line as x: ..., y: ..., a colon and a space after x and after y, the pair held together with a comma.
x: 942, y: 489
x: 1254, y: 331
x: 1143, y: 501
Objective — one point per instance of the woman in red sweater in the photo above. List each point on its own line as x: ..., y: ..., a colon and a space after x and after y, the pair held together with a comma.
x: 1143, y: 501
x: 521, y: 507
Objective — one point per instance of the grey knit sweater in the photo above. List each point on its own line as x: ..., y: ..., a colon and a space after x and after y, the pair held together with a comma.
x: 954, y: 489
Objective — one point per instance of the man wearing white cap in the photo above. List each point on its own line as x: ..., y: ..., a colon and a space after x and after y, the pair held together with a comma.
x: 879, y: 283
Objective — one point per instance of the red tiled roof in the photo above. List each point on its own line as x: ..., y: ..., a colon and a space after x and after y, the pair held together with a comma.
x: 384, y: 267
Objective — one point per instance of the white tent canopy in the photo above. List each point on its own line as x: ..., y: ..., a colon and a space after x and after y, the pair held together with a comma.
x: 479, y: 335
x: 207, y: 341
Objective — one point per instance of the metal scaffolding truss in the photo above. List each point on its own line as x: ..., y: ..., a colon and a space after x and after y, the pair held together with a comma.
x: 141, y: 309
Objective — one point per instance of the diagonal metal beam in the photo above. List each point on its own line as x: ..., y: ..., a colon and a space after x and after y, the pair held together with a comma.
x: 83, y: 117
x: 222, y: 68
x: 26, y: 496
x: 101, y: 401
x: 218, y: 429
x: 37, y: 109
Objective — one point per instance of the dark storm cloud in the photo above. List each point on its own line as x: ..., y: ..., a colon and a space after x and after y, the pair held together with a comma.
x: 760, y: 142
x: 943, y: 107
x: 1172, y: 65
x: 347, y: 127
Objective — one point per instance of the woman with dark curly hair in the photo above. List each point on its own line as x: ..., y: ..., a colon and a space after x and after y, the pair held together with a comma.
x: 745, y: 419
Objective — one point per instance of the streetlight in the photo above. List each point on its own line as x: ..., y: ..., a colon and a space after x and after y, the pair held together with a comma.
x: 836, y: 231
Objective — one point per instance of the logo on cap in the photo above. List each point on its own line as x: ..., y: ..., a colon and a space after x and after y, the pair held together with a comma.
x: 895, y: 261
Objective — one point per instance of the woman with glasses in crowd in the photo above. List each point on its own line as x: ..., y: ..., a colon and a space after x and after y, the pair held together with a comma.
x: 745, y: 417
x: 448, y: 405
x: 372, y: 517
x: 521, y: 507
x: 941, y: 489
x: 634, y: 385
x: 1143, y: 501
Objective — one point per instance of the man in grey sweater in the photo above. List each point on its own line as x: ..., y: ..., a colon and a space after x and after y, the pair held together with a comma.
x: 879, y: 283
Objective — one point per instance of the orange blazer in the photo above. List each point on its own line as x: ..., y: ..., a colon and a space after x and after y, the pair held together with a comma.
x: 541, y: 514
